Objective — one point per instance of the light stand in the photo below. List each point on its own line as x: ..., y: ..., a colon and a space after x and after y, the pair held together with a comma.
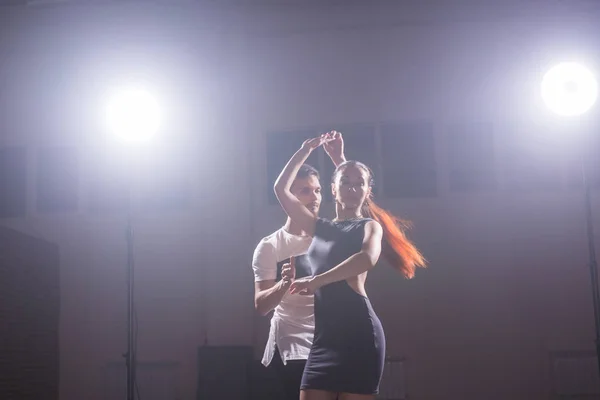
x: 592, y: 256
x: 133, y: 115
x: 130, y: 354
x: 569, y: 90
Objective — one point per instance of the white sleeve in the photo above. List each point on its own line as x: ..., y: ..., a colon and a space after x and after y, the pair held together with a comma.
x: 264, y: 262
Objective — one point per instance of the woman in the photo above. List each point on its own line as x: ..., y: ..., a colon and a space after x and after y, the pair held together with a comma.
x: 347, y: 356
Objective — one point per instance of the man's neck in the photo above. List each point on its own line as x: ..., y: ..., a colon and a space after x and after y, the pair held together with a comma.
x: 292, y: 228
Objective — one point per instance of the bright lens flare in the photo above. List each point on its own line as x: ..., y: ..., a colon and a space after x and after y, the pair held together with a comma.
x: 133, y: 115
x: 569, y: 89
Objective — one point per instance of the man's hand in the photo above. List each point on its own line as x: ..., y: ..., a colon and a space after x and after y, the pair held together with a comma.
x: 310, y: 144
x: 288, y: 271
x: 334, y: 147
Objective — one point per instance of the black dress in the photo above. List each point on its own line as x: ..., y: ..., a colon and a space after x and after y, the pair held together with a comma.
x: 348, y: 349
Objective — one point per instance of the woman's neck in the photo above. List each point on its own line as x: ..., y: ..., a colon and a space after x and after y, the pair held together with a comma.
x: 346, y: 213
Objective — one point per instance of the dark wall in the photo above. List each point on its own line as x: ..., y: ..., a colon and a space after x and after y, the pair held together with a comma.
x: 29, y: 317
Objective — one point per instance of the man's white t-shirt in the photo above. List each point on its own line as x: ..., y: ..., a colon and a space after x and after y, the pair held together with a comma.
x: 293, y: 321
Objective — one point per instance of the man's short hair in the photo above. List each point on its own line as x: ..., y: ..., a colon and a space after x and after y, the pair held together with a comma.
x: 306, y: 170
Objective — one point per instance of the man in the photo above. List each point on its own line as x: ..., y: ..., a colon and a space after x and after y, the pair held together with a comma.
x: 278, y: 259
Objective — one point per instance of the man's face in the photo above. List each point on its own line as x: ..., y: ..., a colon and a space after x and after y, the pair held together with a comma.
x: 308, y: 191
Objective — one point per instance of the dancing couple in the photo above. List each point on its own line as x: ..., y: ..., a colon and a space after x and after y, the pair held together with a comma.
x: 326, y: 341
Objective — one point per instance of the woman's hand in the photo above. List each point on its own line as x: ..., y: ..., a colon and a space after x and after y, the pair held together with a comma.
x: 305, y: 286
x: 334, y: 147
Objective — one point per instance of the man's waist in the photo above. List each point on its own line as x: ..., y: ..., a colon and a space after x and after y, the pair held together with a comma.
x: 294, y: 319
x: 295, y: 308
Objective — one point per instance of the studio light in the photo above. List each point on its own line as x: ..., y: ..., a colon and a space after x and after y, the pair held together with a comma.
x: 569, y: 89
x: 133, y: 114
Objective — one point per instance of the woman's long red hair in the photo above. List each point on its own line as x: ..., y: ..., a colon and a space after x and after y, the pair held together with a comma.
x: 397, y: 249
x: 400, y: 252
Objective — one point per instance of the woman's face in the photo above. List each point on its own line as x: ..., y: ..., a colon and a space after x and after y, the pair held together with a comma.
x: 351, y: 187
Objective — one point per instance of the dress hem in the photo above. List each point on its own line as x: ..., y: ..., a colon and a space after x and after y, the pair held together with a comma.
x: 308, y: 387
